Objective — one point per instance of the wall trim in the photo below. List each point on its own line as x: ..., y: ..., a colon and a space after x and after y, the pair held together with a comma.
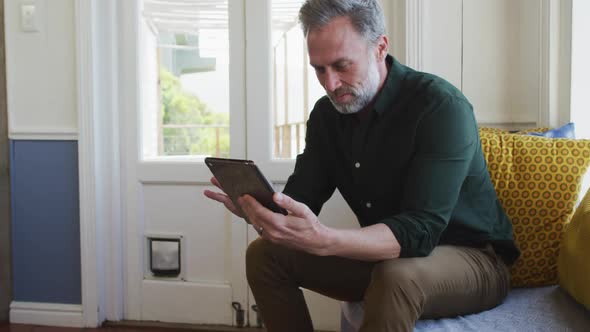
x: 563, y: 13
x: 414, y: 30
x: 545, y: 93
x: 128, y: 32
x: 396, y: 21
x: 50, y: 314
x: 86, y: 161
x: 101, y: 205
x: 111, y: 200
x: 43, y: 133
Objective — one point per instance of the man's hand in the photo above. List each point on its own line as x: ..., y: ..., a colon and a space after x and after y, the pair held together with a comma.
x: 300, y: 229
x: 222, y: 198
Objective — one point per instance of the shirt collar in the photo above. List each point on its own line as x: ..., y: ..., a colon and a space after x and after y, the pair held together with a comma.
x: 391, y: 86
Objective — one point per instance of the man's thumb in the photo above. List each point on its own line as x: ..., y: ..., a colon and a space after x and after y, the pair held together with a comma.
x: 291, y: 205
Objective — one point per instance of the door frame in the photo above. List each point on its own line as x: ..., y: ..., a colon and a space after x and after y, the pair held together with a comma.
x: 101, y: 200
x: 106, y: 79
x: 138, y: 170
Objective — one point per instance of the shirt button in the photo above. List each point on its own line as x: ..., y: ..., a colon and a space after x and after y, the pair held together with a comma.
x: 357, y: 164
x: 368, y: 205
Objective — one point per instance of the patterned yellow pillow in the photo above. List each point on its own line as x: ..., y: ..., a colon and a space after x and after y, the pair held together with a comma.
x: 533, y: 130
x: 522, y: 131
x: 573, y: 262
x: 492, y: 130
x: 537, y: 180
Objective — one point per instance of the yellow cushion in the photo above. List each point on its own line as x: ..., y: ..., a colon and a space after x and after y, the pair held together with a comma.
x: 537, y: 180
x: 523, y: 131
x: 573, y: 262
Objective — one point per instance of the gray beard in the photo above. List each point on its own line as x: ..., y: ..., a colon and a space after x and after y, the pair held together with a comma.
x: 363, y: 95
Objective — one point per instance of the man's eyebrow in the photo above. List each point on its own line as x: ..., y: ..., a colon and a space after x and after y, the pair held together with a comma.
x: 335, y: 63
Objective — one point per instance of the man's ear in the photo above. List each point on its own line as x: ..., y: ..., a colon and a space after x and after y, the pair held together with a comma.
x: 382, y: 47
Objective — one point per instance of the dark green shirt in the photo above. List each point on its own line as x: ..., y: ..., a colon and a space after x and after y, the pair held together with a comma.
x: 413, y: 163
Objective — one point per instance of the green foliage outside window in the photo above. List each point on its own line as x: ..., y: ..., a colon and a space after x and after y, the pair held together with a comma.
x: 189, y: 125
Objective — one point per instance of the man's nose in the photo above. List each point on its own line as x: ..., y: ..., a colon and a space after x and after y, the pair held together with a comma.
x: 332, y: 81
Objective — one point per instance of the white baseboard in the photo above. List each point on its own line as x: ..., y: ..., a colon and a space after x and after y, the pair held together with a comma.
x: 48, y: 314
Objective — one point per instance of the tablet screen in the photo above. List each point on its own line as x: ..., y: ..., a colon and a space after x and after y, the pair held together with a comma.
x: 239, y: 177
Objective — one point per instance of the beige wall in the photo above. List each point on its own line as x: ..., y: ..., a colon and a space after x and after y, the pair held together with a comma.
x: 41, y: 71
x: 5, y: 282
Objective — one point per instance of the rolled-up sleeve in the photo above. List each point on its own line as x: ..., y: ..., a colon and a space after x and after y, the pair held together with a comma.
x: 446, y: 141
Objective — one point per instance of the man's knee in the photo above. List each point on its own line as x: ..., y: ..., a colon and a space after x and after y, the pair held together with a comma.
x: 256, y: 257
x: 396, y: 273
x: 255, y: 250
x: 395, y: 298
x: 265, y: 260
x: 398, y: 279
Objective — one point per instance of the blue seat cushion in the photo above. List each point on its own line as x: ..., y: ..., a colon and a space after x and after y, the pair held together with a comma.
x: 524, y: 310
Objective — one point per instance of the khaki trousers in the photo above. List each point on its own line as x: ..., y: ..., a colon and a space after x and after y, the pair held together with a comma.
x: 451, y: 281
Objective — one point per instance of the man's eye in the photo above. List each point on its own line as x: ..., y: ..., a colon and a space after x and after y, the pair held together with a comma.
x: 341, y: 67
x: 319, y: 70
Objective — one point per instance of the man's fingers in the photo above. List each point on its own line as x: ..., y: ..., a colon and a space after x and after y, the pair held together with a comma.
x: 296, y: 208
x: 216, y: 183
x: 222, y: 198
x: 255, y: 210
x: 249, y: 204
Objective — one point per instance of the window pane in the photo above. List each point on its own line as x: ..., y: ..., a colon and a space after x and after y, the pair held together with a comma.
x: 280, y: 90
x: 295, y: 87
x: 191, y: 46
x: 296, y: 59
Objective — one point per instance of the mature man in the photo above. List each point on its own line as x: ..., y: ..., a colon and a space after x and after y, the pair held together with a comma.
x: 403, y: 149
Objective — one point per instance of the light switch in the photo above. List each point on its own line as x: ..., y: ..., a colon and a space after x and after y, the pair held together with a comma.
x: 28, y: 18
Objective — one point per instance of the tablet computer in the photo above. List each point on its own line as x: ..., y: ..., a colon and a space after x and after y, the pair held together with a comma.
x: 240, y: 177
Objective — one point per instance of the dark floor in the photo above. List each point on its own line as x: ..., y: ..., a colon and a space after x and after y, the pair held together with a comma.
x: 5, y: 327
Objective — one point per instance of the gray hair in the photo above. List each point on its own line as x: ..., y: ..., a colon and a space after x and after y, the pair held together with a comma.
x: 366, y: 16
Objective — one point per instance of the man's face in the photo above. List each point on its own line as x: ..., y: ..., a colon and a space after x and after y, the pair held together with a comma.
x: 345, y: 65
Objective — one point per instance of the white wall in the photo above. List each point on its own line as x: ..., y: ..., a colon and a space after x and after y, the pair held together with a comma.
x: 560, y: 15
x: 501, y: 60
x: 41, y: 71
x: 442, y: 45
x: 580, y: 106
x: 394, y: 27
x: 495, y: 51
